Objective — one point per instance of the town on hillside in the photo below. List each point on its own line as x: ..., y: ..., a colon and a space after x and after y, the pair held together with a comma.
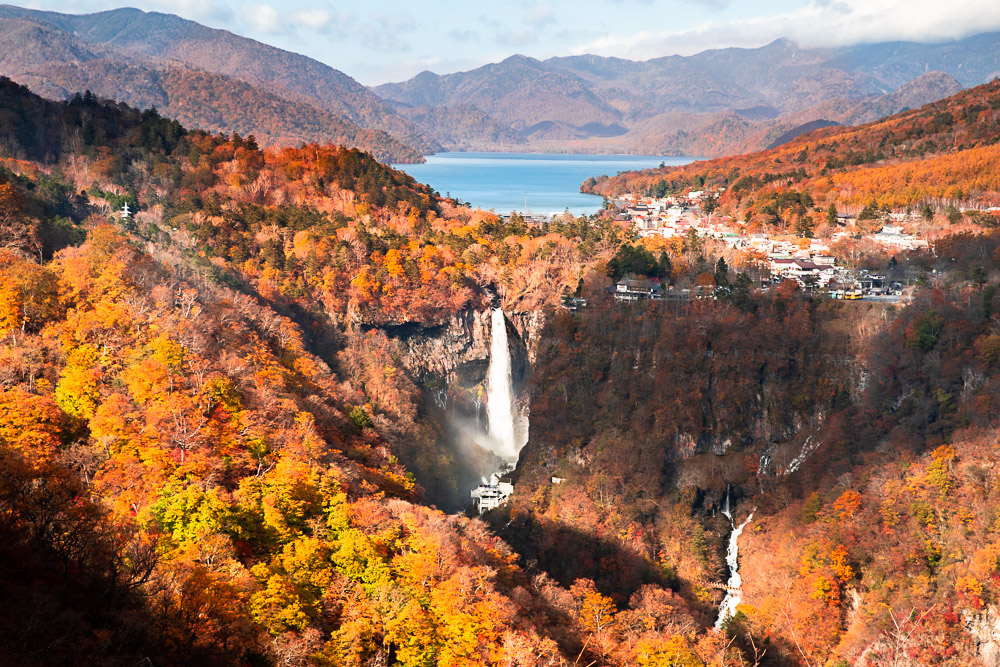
x: 809, y: 261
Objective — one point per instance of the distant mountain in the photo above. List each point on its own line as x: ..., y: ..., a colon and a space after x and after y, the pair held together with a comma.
x: 925, y: 88
x: 717, y: 102
x: 461, y: 127
x: 672, y: 104
x: 237, y: 84
x: 938, y: 154
x: 520, y: 92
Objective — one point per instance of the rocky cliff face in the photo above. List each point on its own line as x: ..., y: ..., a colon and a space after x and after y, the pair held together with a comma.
x: 984, y: 628
x: 449, y: 363
x: 452, y: 359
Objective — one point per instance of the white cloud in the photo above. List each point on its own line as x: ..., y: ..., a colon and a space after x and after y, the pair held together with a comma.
x: 819, y: 23
x: 385, y: 33
x: 463, y: 35
x: 314, y: 19
x: 265, y: 19
x: 215, y: 12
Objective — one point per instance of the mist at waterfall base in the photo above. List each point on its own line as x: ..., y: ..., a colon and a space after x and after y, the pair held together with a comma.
x: 489, y: 441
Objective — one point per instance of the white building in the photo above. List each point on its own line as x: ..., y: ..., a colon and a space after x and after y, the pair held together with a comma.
x: 493, y: 495
x: 631, y: 289
x: 894, y: 237
x: 800, y: 270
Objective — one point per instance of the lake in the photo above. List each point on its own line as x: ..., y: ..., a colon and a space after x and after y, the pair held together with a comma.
x: 503, y: 181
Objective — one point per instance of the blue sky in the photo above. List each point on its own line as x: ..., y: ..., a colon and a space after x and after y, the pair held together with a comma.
x: 376, y: 41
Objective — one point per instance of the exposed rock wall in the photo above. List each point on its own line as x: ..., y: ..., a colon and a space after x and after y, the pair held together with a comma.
x: 455, y: 356
x: 985, y: 630
x: 449, y: 363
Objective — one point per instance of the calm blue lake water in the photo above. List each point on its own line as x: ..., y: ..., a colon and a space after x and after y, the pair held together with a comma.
x: 501, y: 181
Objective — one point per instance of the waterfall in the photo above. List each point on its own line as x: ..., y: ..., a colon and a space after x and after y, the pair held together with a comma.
x: 725, y: 508
x: 733, y: 595
x: 506, y: 427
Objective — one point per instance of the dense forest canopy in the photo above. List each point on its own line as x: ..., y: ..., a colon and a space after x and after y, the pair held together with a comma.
x: 212, y: 450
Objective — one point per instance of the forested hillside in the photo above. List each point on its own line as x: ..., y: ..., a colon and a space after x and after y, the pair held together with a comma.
x: 860, y: 436
x: 183, y: 475
x: 942, y: 153
x: 210, y: 78
x: 221, y: 442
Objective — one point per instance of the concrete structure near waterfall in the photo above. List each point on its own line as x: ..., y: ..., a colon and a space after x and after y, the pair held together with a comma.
x: 490, y: 496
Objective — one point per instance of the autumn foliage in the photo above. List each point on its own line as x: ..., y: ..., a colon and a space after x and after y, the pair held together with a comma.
x: 210, y: 443
x: 941, y: 154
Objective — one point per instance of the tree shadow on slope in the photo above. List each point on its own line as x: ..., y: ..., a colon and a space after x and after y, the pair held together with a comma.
x: 566, y: 554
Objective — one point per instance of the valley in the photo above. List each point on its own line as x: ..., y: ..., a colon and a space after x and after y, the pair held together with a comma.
x: 266, y: 400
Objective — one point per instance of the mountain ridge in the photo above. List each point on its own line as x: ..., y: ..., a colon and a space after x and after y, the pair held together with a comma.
x: 218, y: 411
x: 670, y: 105
x: 800, y: 84
x: 153, y: 40
x: 940, y: 154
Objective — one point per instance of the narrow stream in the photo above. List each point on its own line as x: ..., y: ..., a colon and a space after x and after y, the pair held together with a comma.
x: 733, y: 595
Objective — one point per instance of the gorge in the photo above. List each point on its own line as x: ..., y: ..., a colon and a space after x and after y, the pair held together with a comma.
x: 472, y: 374
x: 241, y: 425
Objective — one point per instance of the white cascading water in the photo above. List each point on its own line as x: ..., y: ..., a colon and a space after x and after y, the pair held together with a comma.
x: 733, y: 595
x: 507, y: 431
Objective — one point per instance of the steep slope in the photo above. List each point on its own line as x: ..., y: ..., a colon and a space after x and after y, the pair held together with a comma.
x: 129, y: 37
x: 203, y: 408
x: 867, y: 482
x: 939, y: 154
x: 215, y: 103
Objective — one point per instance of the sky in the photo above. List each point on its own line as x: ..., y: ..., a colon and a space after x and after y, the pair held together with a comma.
x: 377, y: 41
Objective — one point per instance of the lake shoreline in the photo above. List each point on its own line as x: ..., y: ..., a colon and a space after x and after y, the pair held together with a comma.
x: 527, y: 183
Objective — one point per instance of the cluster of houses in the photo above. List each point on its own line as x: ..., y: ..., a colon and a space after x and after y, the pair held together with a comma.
x: 810, y: 263
x: 810, y: 272
x: 676, y: 215
x: 667, y: 216
x: 892, y: 236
